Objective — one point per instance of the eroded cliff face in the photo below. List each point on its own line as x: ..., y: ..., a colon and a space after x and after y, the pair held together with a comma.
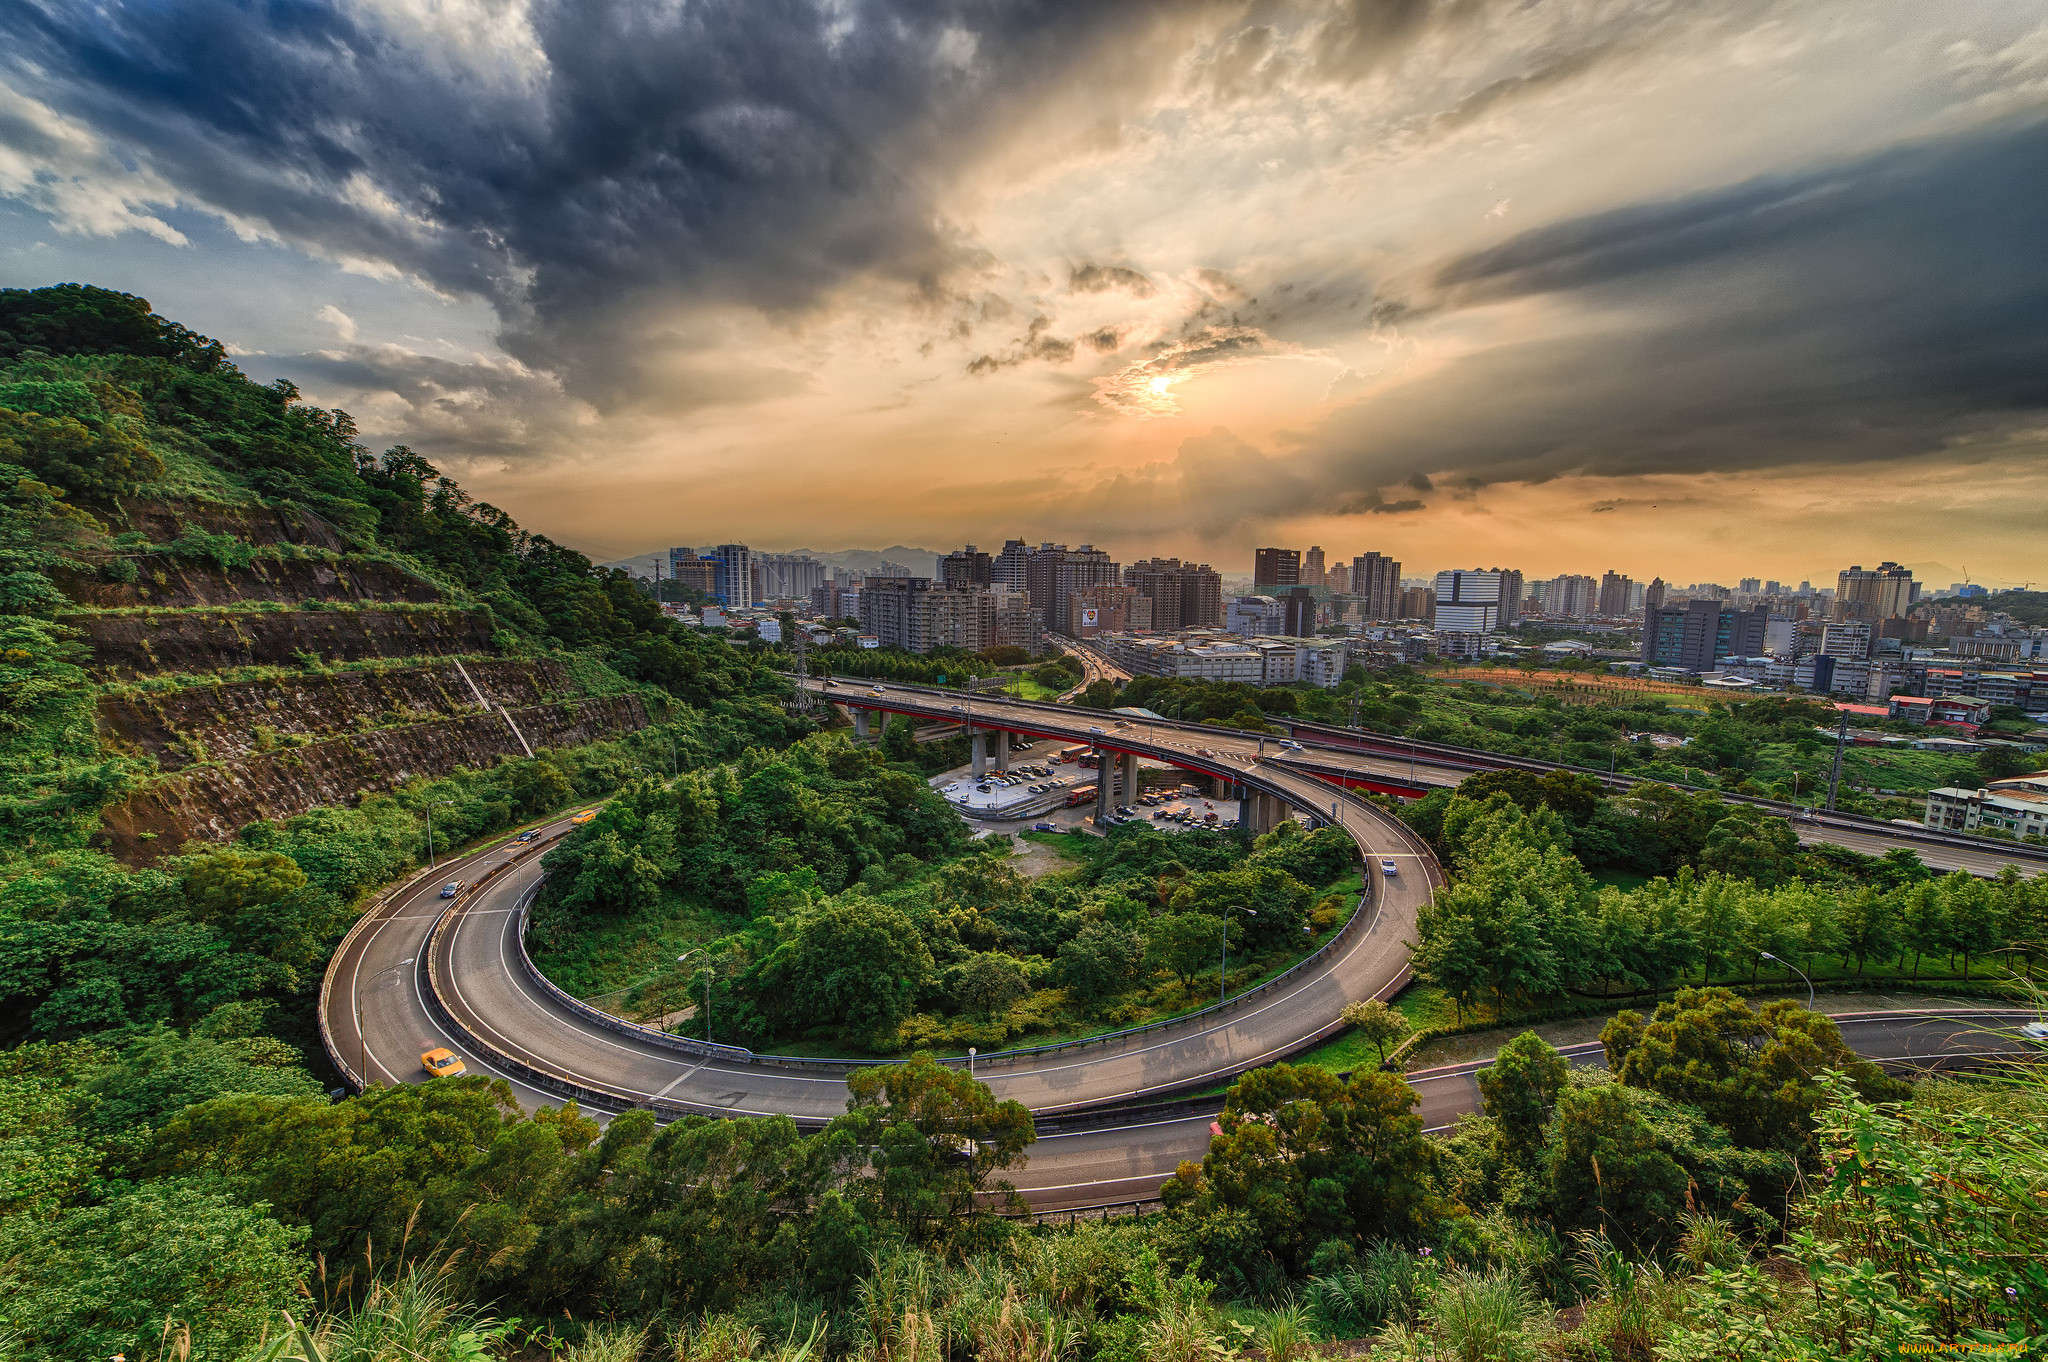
x: 127, y: 646
x: 166, y: 580
x: 230, y: 721
x: 228, y: 752
x: 164, y: 521
x: 208, y: 803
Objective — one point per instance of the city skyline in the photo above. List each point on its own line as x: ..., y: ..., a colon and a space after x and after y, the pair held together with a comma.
x: 1683, y: 290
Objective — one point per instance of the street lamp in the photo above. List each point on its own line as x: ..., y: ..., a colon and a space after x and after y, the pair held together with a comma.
x: 707, y: 993
x: 971, y: 1052
x: 1796, y: 970
x: 1223, y: 973
x: 432, y: 864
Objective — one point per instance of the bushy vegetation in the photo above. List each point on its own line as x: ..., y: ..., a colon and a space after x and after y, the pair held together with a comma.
x: 848, y: 907
x: 1734, y: 896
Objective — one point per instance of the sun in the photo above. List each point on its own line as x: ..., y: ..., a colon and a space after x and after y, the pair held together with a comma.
x: 1161, y: 384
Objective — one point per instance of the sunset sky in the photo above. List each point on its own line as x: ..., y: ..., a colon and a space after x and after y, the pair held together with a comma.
x: 1682, y: 289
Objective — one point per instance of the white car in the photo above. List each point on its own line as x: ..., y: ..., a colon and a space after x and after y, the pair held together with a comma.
x: 2036, y: 1031
x: 1389, y: 868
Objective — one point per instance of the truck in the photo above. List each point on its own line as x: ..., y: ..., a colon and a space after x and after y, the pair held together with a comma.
x: 1079, y: 795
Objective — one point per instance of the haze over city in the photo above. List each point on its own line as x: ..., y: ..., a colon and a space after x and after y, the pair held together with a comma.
x: 1691, y: 291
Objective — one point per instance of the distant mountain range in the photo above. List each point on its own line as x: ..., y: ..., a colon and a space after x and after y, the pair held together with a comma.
x: 921, y: 562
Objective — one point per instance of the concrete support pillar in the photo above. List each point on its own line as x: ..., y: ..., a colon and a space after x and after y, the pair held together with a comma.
x: 1131, y: 790
x: 1247, y: 810
x: 980, y: 744
x: 1220, y: 787
x: 1105, y: 776
x: 860, y: 725
x: 1002, y: 741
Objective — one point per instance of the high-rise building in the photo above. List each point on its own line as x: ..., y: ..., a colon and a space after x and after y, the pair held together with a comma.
x: 1512, y: 591
x: 1106, y: 609
x: 1274, y: 570
x: 1298, y: 613
x: 1183, y: 595
x: 1699, y: 633
x: 1376, y: 581
x: 1847, y: 639
x: 1017, y: 624
x: 1007, y: 569
x: 1750, y: 586
x: 794, y: 575
x: 1654, y: 594
x: 918, y: 614
x: 1054, y: 572
x: 1312, y: 573
x: 686, y: 569
x: 1417, y: 603
x: 1884, y: 592
x: 1614, y: 593
x: 732, y: 574
x: 1573, y: 596
x: 1469, y: 600
x: 965, y: 567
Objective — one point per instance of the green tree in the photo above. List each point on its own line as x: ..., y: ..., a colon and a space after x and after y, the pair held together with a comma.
x: 1751, y: 1072
x: 1184, y: 944
x: 1923, y: 920
x: 261, y: 901
x: 899, y: 740
x: 1102, y: 959
x: 1608, y: 1170
x: 856, y: 962
x: 121, y: 1275
x: 1309, y: 1158
x: 935, y: 1141
x: 1869, y: 927
x: 1521, y: 1087
x: 1970, y: 916
x: 987, y: 982
x: 1376, y: 1023
x: 1749, y: 843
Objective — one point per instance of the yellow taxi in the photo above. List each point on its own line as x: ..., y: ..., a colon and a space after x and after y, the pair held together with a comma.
x: 441, y: 1063
x: 583, y: 817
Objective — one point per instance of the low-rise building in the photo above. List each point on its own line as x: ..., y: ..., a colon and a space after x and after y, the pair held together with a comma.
x: 2020, y: 809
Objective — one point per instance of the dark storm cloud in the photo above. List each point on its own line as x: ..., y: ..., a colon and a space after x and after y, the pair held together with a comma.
x: 759, y: 153
x: 1877, y: 309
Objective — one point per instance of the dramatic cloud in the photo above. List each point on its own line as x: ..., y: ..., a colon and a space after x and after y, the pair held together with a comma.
x: 1168, y: 274
x: 1876, y: 310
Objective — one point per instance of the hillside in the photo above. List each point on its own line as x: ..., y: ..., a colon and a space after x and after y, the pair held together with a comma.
x: 220, y: 609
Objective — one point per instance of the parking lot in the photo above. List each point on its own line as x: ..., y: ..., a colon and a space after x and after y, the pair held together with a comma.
x: 1034, y: 794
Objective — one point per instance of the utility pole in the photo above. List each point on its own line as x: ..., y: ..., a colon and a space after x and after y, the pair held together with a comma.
x: 1835, y: 774
x: 801, y: 647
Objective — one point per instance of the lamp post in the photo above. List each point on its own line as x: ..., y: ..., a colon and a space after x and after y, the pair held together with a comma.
x: 1796, y: 970
x: 1223, y: 972
x: 686, y: 992
x: 432, y: 864
x: 971, y: 1052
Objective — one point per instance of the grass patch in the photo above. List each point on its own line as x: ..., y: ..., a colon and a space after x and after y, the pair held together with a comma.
x: 1064, y: 844
x: 1024, y: 688
x: 629, y: 964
